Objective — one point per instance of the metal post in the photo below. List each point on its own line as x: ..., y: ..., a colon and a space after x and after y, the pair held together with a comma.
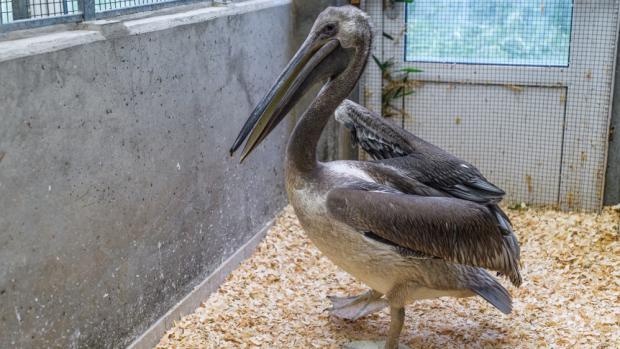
x: 20, y: 9
x: 88, y: 9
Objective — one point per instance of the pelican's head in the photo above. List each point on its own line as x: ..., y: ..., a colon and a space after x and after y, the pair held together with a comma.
x: 337, y: 37
x: 348, y: 25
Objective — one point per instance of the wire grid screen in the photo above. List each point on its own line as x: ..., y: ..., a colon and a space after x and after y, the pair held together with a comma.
x: 6, y: 11
x: 521, y: 89
x: 526, y: 32
x: 108, y: 5
x: 11, y: 11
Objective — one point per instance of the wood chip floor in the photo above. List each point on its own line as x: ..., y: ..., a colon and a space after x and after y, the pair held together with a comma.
x: 570, y: 297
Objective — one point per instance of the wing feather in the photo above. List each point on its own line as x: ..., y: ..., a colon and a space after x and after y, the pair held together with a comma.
x: 452, y: 229
x: 394, y: 146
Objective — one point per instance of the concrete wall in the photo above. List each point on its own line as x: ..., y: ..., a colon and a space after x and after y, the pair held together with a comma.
x: 117, y: 193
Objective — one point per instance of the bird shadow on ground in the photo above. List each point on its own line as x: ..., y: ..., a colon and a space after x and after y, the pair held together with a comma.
x: 419, y: 332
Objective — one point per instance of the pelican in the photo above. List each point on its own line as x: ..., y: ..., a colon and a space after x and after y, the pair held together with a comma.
x: 404, y: 238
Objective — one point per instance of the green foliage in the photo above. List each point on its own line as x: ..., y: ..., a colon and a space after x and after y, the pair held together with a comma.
x: 396, y: 86
x: 411, y: 70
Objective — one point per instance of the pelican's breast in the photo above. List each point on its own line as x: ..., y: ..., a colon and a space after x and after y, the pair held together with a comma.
x: 345, y: 170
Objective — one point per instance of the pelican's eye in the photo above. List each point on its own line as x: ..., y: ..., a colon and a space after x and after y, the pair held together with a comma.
x: 329, y: 29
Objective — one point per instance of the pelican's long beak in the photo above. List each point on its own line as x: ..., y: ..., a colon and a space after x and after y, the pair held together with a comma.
x: 283, y: 95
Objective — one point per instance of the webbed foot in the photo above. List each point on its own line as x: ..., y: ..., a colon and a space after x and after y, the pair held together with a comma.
x: 355, y: 307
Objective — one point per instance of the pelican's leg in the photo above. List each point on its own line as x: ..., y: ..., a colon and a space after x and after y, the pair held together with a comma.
x: 396, y: 325
x: 397, y: 315
x: 396, y: 299
x: 355, y: 307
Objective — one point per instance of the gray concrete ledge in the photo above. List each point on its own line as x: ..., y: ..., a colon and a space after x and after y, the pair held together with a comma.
x: 14, y: 49
x: 189, y: 303
x: 127, y: 25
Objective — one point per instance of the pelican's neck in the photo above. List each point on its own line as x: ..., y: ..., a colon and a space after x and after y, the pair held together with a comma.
x: 301, y: 149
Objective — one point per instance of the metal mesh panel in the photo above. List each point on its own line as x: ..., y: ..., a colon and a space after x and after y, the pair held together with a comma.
x: 107, y: 5
x: 47, y: 8
x: 522, y: 89
x: 526, y: 32
x: 6, y: 11
x: 13, y: 10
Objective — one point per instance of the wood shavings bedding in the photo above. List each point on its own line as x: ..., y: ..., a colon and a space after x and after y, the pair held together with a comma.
x: 276, y: 299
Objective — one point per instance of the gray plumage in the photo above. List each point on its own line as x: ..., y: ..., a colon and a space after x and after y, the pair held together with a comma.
x: 420, y: 159
x: 393, y: 146
x: 406, y: 229
x: 451, y: 229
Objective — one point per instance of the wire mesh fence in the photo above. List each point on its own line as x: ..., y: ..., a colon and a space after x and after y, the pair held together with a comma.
x: 107, y: 5
x: 14, y: 10
x: 33, y: 12
x: 526, y: 32
x: 522, y: 89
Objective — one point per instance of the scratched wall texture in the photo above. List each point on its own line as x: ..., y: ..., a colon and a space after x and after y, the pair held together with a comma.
x: 117, y: 193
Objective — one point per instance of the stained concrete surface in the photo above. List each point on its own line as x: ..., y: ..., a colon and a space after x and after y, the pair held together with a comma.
x: 117, y: 193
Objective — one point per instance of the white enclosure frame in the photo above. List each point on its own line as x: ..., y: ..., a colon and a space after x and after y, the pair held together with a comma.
x: 583, y: 144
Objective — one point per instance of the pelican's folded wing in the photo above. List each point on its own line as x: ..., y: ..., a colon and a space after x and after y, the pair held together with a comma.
x: 450, y: 174
x: 452, y: 229
x: 394, y: 146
